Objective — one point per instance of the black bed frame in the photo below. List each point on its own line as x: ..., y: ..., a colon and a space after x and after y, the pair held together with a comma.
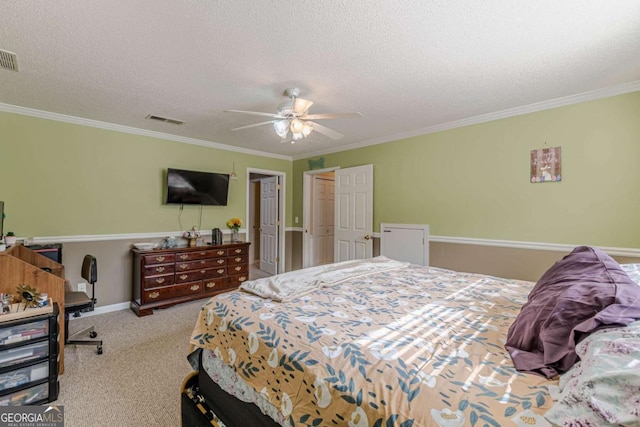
x: 201, y: 395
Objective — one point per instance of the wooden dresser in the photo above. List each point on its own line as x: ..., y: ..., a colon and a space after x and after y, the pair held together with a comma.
x: 164, y: 277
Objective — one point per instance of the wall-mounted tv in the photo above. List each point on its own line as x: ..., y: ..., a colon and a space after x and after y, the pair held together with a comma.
x: 185, y: 187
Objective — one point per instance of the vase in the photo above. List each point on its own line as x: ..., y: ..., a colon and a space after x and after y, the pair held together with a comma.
x: 235, y: 237
x: 192, y: 241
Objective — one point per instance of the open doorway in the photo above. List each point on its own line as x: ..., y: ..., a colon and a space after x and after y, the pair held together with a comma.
x: 266, y: 219
x: 337, y: 226
x: 318, y: 217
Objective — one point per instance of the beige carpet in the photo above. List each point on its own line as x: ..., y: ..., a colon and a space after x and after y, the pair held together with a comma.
x: 136, y: 381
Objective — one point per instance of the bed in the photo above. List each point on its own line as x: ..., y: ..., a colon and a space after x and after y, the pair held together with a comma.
x: 378, y: 342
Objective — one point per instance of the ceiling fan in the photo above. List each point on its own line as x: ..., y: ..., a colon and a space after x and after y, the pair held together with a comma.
x: 293, y: 116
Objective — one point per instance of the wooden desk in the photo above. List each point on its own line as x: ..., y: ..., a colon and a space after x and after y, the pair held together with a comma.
x: 19, y: 265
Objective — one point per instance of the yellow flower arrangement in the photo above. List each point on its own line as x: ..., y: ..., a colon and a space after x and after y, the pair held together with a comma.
x: 234, y: 224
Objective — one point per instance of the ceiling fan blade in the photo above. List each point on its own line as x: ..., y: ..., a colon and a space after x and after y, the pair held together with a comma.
x: 332, y: 116
x: 300, y: 106
x: 255, y: 113
x: 326, y: 131
x: 254, y: 125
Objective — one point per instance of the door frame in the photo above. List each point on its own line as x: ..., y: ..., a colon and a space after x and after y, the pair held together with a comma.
x: 306, y: 210
x: 281, y: 212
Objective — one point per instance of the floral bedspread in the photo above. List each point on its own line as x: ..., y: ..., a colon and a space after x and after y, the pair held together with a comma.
x: 416, y: 346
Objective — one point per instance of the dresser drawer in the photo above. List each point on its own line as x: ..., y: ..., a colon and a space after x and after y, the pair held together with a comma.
x: 237, y: 269
x: 155, y: 270
x: 158, y: 259
x: 158, y: 281
x: 205, y: 273
x: 238, y: 259
x: 200, y: 264
x: 237, y: 279
x: 237, y: 251
x: 215, y: 284
x: 195, y: 255
x: 160, y: 294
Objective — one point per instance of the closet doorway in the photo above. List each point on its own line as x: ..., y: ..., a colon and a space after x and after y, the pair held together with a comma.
x: 318, y: 217
x: 265, y: 219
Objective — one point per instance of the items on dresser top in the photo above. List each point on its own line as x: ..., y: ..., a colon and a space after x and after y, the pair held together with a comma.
x: 164, y: 277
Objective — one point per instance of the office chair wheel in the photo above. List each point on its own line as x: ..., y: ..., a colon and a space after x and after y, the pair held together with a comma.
x: 99, y: 349
x: 93, y: 334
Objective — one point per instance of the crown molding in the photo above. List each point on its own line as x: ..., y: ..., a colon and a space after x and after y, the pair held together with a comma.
x: 8, y: 108
x: 511, y: 112
x: 483, y: 118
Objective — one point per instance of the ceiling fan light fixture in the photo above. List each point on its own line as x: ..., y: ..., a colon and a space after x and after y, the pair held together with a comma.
x: 281, y: 127
x: 297, y: 125
x: 292, y: 116
x: 306, y: 129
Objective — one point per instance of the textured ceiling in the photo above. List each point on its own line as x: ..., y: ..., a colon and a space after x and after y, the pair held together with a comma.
x: 407, y: 66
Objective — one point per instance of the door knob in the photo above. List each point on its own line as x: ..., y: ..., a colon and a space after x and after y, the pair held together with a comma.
x: 367, y: 237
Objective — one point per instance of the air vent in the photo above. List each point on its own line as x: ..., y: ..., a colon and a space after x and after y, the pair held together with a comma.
x: 164, y: 119
x: 8, y: 60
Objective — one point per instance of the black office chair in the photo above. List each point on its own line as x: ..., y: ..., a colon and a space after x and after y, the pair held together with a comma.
x: 76, y: 302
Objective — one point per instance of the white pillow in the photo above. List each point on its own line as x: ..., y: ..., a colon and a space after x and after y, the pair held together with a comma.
x: 602, y: 389
x: 633, y: 271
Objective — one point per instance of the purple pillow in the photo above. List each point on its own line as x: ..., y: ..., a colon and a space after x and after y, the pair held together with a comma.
x: 584, y: 291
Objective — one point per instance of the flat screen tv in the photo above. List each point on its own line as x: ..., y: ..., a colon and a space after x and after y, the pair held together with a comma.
x: 185, y: 187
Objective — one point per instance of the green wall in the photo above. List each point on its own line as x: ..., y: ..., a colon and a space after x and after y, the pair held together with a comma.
x: 61, y: 179
x: 474, y: 181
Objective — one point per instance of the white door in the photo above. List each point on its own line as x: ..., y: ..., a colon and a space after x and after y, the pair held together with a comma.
x: 322, y: 223
x: 353, y: 213
x: 269, y: 224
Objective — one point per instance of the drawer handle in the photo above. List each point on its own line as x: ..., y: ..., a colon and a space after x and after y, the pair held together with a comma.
x: 203, y: 262
x: 220, y: 261
x: 238, y: 268
x: 185, y: 256
x: 220, y: 270
x: 220, y: 252
x: 238, y: 251
x: 154, y: 294
x: 203, y: 271
x: 160, y: 280
x: 238, y: 259
x: 241, y: 279
x: 159, y: 258
x: 195, y: 287
x: 183, y: 277
x: 184, y: 266
x: 160, y: 269
x: 211, y: 284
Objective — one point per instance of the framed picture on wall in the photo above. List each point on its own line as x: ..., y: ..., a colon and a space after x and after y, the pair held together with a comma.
x: 546, y: 165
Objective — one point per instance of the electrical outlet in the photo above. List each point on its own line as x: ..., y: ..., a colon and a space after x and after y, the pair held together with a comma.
x: 82, y: 287
x: 296, y: 220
